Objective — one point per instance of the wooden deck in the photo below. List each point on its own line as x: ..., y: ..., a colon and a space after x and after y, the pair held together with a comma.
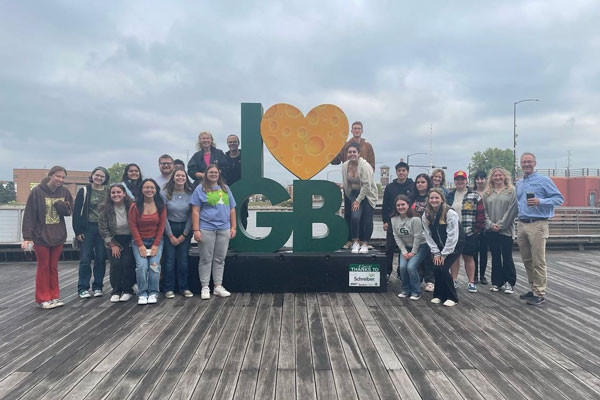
x: 306, y: 346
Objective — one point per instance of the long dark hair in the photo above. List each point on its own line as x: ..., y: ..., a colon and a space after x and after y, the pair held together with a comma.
x: 109, y: 204
x: 206, y: 186
x: 409, y: 211
x: 170, y: 186
x: 133, y: 186
x: 429, y: 183
x: 158, y: 200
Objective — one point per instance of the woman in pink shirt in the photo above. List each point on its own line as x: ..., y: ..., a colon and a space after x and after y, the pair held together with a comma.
x: 147, y: 218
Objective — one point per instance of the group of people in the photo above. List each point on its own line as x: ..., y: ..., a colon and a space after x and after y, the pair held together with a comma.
x: 130, y: 223
x: 432, y: 227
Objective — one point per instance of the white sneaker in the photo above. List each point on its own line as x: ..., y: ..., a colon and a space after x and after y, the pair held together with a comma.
x: 221, y: 291
x: 364, y: 249
x: 402, y: 295
x: 48, y: 305
x: 126, y: 297
x: 415, y: 297
x: 170, y: 294
x: 152, y: 299
x: 355, y: 248
x: 435, y: 300
x: 187, y: 293
x: 429, y: 287
x: 97, y: 293
x: 205, y: 293
x: 142, y: 300
x: 494, y: 288
x: 84, y: 294
x: 57, y: 302
x: 449, y: 303
x: 115, y: 298
x: 508, y: 289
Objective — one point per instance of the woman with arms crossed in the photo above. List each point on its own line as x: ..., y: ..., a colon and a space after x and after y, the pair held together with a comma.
x: 114, y: 229
x: 45, y: 232
x: 147, y: 218
x: 214, y: 222
x: 207, y: 154
x: 445, y: 238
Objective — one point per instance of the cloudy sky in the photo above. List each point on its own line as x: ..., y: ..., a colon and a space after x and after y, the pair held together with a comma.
x: 94, y: 83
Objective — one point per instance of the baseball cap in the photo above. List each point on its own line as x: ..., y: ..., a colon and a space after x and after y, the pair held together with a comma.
x: 460, y: 174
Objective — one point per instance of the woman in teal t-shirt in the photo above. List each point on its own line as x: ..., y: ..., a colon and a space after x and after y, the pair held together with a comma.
x: 214, y: 223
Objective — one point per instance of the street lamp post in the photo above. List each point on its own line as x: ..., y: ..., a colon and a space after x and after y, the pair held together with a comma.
x: 413, y: 154
x: 515, y: 135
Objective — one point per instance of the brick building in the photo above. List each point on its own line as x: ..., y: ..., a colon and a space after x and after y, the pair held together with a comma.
x: 26, y: 179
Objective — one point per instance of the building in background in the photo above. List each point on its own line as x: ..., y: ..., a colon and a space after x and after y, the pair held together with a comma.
x: 26, y: 179
x: 384, y: 175
x: 580, y: 187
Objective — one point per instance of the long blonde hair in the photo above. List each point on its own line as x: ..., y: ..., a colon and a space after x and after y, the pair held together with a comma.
x: 212, y: 140
x: 430, y: 213
x: 489, y: 187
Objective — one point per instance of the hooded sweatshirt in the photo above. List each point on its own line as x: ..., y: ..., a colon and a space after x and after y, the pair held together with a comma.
x: 392, y: 190
x: 44, y: 216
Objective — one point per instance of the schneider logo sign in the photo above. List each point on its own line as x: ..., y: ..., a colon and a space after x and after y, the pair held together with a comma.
x: 364, y: 275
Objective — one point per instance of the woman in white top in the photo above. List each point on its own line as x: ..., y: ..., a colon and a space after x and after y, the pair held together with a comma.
x: 360, y: 194
x: 408, y: 233
x: 445, y: 238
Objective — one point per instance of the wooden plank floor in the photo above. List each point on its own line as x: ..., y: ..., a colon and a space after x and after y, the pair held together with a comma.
x: 306, y: 346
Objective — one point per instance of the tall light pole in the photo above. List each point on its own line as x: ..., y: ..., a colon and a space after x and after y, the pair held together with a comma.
x: 515, y: 135
x: 413, y: 154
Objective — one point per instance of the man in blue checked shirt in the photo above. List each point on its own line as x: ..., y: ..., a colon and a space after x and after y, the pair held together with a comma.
x: 537, y: 195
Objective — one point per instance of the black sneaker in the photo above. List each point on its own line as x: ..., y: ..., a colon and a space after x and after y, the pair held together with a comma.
x: 526, y: 295
x: 483, y: 281
x: 536, y: 300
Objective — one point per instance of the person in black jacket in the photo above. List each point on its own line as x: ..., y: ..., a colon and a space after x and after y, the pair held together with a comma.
x: 207, y: 154
x: 402, y: 185
x: 85, y: 225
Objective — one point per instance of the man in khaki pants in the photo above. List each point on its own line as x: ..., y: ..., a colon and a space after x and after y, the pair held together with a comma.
x: 537, y: 195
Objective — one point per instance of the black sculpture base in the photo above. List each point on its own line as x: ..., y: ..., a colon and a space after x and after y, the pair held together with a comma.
x: 298, y: 272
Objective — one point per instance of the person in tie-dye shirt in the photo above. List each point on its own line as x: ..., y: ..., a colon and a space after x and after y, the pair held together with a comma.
x: 214, y: 223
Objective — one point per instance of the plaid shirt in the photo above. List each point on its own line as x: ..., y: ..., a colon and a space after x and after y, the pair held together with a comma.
x: 473, y: 212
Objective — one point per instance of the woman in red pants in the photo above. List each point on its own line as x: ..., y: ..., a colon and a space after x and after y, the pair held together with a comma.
x: 44, y: 229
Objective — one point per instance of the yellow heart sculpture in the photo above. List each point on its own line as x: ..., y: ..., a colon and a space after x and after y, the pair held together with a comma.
x: 304, y: 145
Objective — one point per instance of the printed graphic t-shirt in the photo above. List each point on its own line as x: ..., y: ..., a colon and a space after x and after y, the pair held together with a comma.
x: 214, y: 206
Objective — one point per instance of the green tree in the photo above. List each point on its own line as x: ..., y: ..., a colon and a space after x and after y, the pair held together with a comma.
x: 490, y: 158
x: 7, y: 193
x: 116, y: 172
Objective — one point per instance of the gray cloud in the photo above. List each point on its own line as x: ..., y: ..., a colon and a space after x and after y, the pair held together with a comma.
x: 90, y: 84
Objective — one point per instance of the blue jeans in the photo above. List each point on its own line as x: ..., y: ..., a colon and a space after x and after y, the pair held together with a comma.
x: 147, y: 270
x: 361, y: 220
x: 409, y: 271
x: 92, y: 245
x: 176, y: 260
